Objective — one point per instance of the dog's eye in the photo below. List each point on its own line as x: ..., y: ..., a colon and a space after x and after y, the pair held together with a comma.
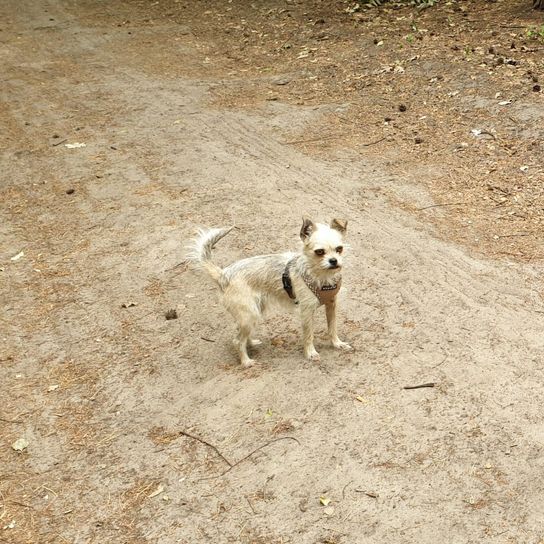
x: 319, y: 252
x: 339, y: 249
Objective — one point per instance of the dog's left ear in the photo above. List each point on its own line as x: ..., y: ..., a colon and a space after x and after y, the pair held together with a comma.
x: 307, y: 228
x: 340, y: 225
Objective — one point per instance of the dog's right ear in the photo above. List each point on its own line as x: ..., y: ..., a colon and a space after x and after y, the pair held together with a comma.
x: 307, y: 228
x: 340, y: 225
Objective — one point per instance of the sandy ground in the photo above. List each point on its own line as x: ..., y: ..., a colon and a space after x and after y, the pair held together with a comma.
x: 146, y: 430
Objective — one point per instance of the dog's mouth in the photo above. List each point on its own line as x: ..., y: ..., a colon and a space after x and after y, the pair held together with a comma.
x: 334, y: 266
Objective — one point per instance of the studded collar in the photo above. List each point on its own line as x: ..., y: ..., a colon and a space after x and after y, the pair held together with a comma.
x: 325, y: 294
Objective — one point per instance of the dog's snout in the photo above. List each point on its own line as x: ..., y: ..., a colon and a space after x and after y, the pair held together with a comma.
x: 333, y: 261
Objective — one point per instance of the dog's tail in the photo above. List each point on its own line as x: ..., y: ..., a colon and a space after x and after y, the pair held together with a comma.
x: 200, y: 251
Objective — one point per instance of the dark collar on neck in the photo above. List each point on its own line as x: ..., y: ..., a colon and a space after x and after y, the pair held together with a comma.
x: 286, y: 279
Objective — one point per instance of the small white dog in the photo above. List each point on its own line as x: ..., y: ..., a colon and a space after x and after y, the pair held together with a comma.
x: 304, y: 280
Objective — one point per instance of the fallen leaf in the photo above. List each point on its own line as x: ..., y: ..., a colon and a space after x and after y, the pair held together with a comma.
x: 18, y: 256
x: 324, y: 500
x: 53, y: 387
x: 157, y: 491
x: 75, y: 145
x: 20, y: 444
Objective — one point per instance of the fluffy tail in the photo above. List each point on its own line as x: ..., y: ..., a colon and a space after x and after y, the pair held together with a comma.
x: 200, y: 251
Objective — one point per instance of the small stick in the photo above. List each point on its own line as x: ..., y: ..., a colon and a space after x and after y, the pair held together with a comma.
x: 11, y: 420
x: 319, y: 138
x: 344, y: 489
x: 249, y: 455
x: 184, y: 264
x: 21, y: 504
x: 489, y: 134
x: 214, y: 448
x: 207, y: 339
x: 441, y: 362
x: 430, y: 384
x: 439, y: 205
x: 375, y: 142
x: 368, y: 493
x: 61, y: 142
x: 250, y: 505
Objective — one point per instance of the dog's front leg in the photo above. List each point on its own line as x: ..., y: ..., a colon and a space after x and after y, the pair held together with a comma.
x: 308, y: 334
x: 330, y: 310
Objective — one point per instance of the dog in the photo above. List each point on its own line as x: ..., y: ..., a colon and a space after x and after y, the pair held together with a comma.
x: 304, y: 280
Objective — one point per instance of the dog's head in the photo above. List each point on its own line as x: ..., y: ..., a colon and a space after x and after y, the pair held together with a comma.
x: 323, y: 246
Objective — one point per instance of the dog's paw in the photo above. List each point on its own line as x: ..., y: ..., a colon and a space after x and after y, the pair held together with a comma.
x: 255, y: 342
x: 344, y: 346
x: 313, y: 356
x: 248, y: 363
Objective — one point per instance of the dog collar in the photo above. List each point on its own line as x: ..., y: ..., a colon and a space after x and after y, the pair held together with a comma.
x: 324, y: 294
x: 287, y: 283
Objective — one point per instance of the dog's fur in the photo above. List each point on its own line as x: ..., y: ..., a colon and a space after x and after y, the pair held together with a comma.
x: 250, y: 285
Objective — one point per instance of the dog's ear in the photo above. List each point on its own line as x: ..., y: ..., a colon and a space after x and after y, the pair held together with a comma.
x: 307, y: 228
x: 340, y: 225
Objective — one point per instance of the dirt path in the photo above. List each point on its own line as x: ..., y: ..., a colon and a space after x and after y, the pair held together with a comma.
x: 101, y: 385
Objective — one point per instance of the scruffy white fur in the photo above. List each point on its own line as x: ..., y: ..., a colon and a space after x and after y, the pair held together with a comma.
x: 250, y: 285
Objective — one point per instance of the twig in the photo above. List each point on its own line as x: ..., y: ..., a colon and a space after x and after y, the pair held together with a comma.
x: 250, y: 505
x: 488, y: 133
x: 344, y: 489
x: 249, y: 455
x: 184, y: 264
x: 331, y: 136
x: 21, y: 504
x: 214, y: 448
x: 441, y: 362
x: 368, y: 493
x: 439, y: 205
x: 60, y: 142
x: 11, y: 420
x: 375, y: 142
x: 430, y: 384
x: 207, y: 339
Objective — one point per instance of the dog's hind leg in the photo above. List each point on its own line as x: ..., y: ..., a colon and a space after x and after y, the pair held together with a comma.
x: 247, y: 318
x: 246, y: 307
x: 244, y: 332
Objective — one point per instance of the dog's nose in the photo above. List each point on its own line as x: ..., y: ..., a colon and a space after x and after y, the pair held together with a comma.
x: 333, y: 261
